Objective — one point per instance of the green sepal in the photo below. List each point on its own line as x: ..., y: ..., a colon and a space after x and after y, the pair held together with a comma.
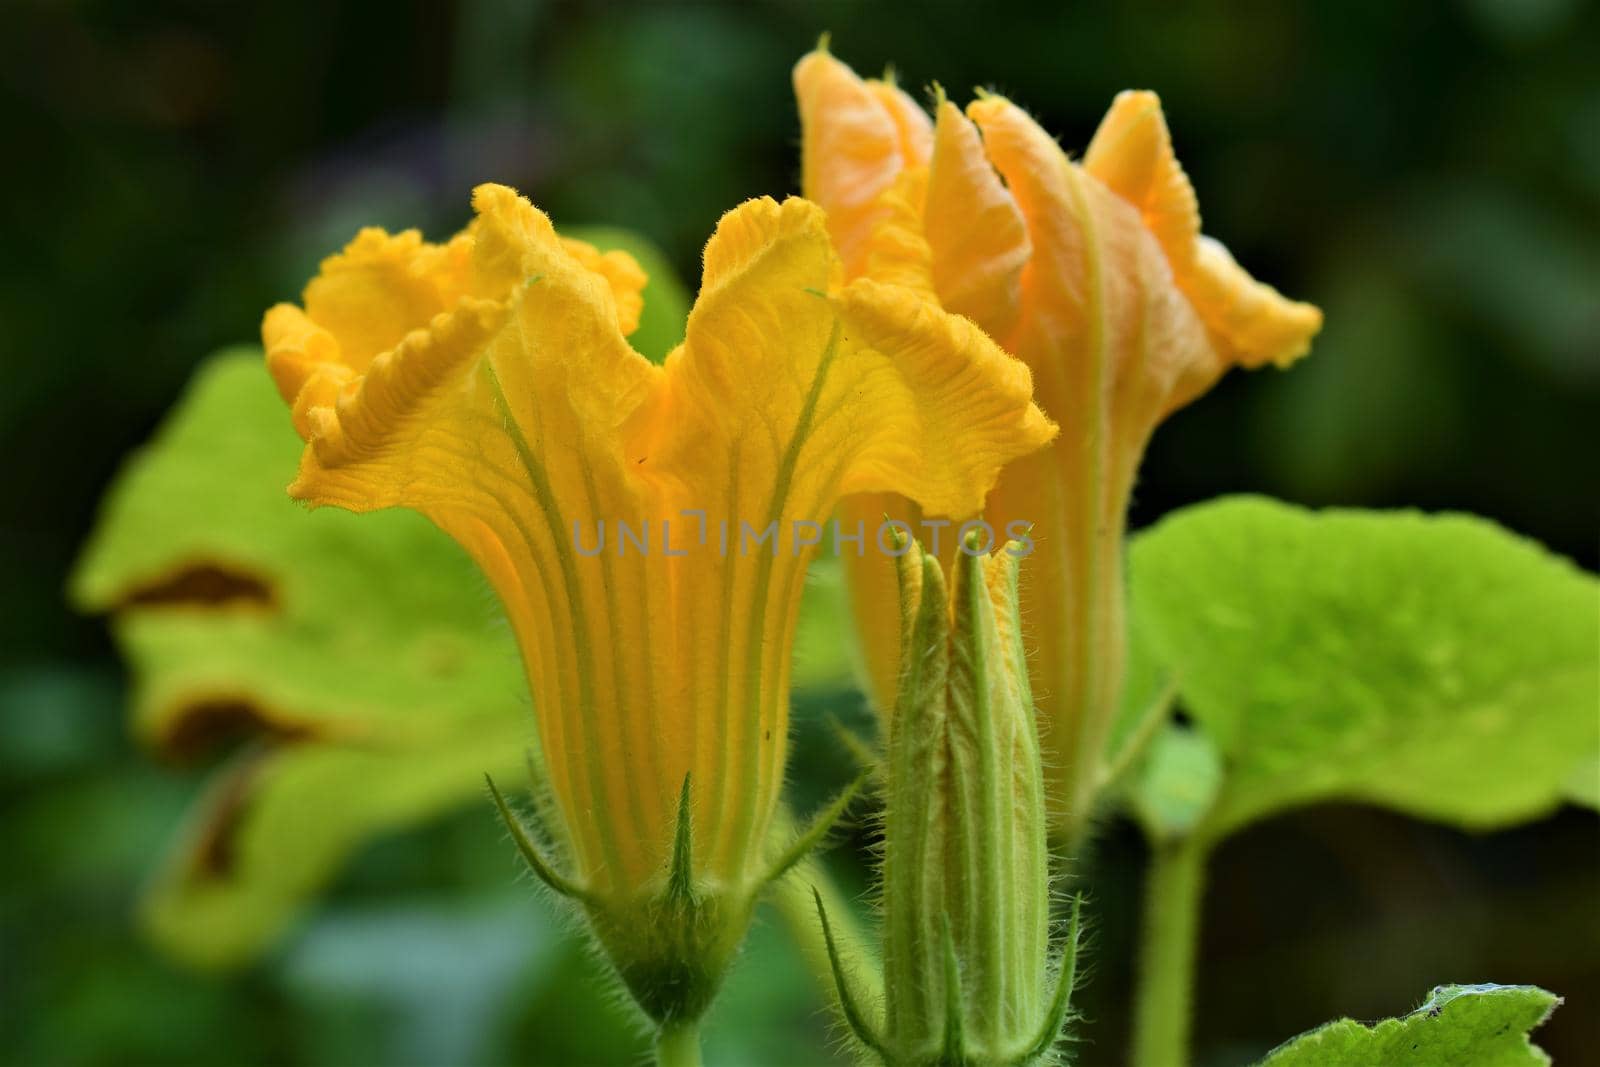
x: 823, y: 822
x: 954, y: 1043
x: 847, y: 1001
x: 680, y: 879
x: 672, y: 947
x: 860, y: 749
x: 1060, y: 1003
x: 526, y: 844
x: 671, y: 953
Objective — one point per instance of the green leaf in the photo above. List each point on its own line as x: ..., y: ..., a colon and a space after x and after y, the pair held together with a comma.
x: 1437, y: 665
x: 666, y: 301
x: 358, y: 663
x: 1463, y: 1026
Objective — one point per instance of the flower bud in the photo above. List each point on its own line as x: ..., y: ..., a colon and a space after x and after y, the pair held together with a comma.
x: 966, y: 884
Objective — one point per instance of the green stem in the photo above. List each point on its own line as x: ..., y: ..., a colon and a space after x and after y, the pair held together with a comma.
x: 678, y: 1044
x: 1163, y: 1000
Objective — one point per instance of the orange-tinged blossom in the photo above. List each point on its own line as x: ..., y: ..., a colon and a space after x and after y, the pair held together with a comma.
x: 1097, y: 276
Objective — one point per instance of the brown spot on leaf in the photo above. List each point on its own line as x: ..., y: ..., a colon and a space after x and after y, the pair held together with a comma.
x: 214, y: 853
x: 206, y: 585
x: 203, y: 727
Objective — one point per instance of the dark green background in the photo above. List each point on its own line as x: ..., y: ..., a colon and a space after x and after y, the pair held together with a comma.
x: 1429, y: 174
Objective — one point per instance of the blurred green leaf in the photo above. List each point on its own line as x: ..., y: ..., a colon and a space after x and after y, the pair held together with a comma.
x: 772, y: 983
x: 53, y: 721
x: 1583, y: 784
x: 239, y: 608
x: 1464, y: 1026
x: 1437, y: 665
x: 481, y: 952
x: 358, y: 662
x: 823, y: 651
x: 1148, y: 694
x: 666, y: 301
x: 1177, y: 783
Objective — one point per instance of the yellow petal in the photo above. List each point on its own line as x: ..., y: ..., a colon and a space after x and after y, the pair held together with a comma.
x: 1257, y: 323
x: 782, y: 400
x: 897, y: 252
x: 876, y: 389
x: 912, y: 399
x: 1113, y: 342
x: 621, y: 271
x: 1132, y: 154
x: 497, y: 420
x: 855, y: 138
x: 1253, y: 324
x: 956, y: 410
x: 726, y: 440
x: 382, y: 287
x: 977, y: 235
x: 913, y: 130
x: 304, y: 362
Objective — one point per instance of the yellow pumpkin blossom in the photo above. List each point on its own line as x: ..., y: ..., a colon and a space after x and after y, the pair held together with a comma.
x: 646, y: 527
x: 1097, y: 276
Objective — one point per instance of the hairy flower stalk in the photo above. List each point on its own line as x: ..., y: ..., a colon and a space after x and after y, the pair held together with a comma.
x: 1097, y: 276
x: 488, y: 384
x: 966, y: 886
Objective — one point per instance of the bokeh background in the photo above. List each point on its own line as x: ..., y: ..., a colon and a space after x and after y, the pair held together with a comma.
x: 1429, y: 174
